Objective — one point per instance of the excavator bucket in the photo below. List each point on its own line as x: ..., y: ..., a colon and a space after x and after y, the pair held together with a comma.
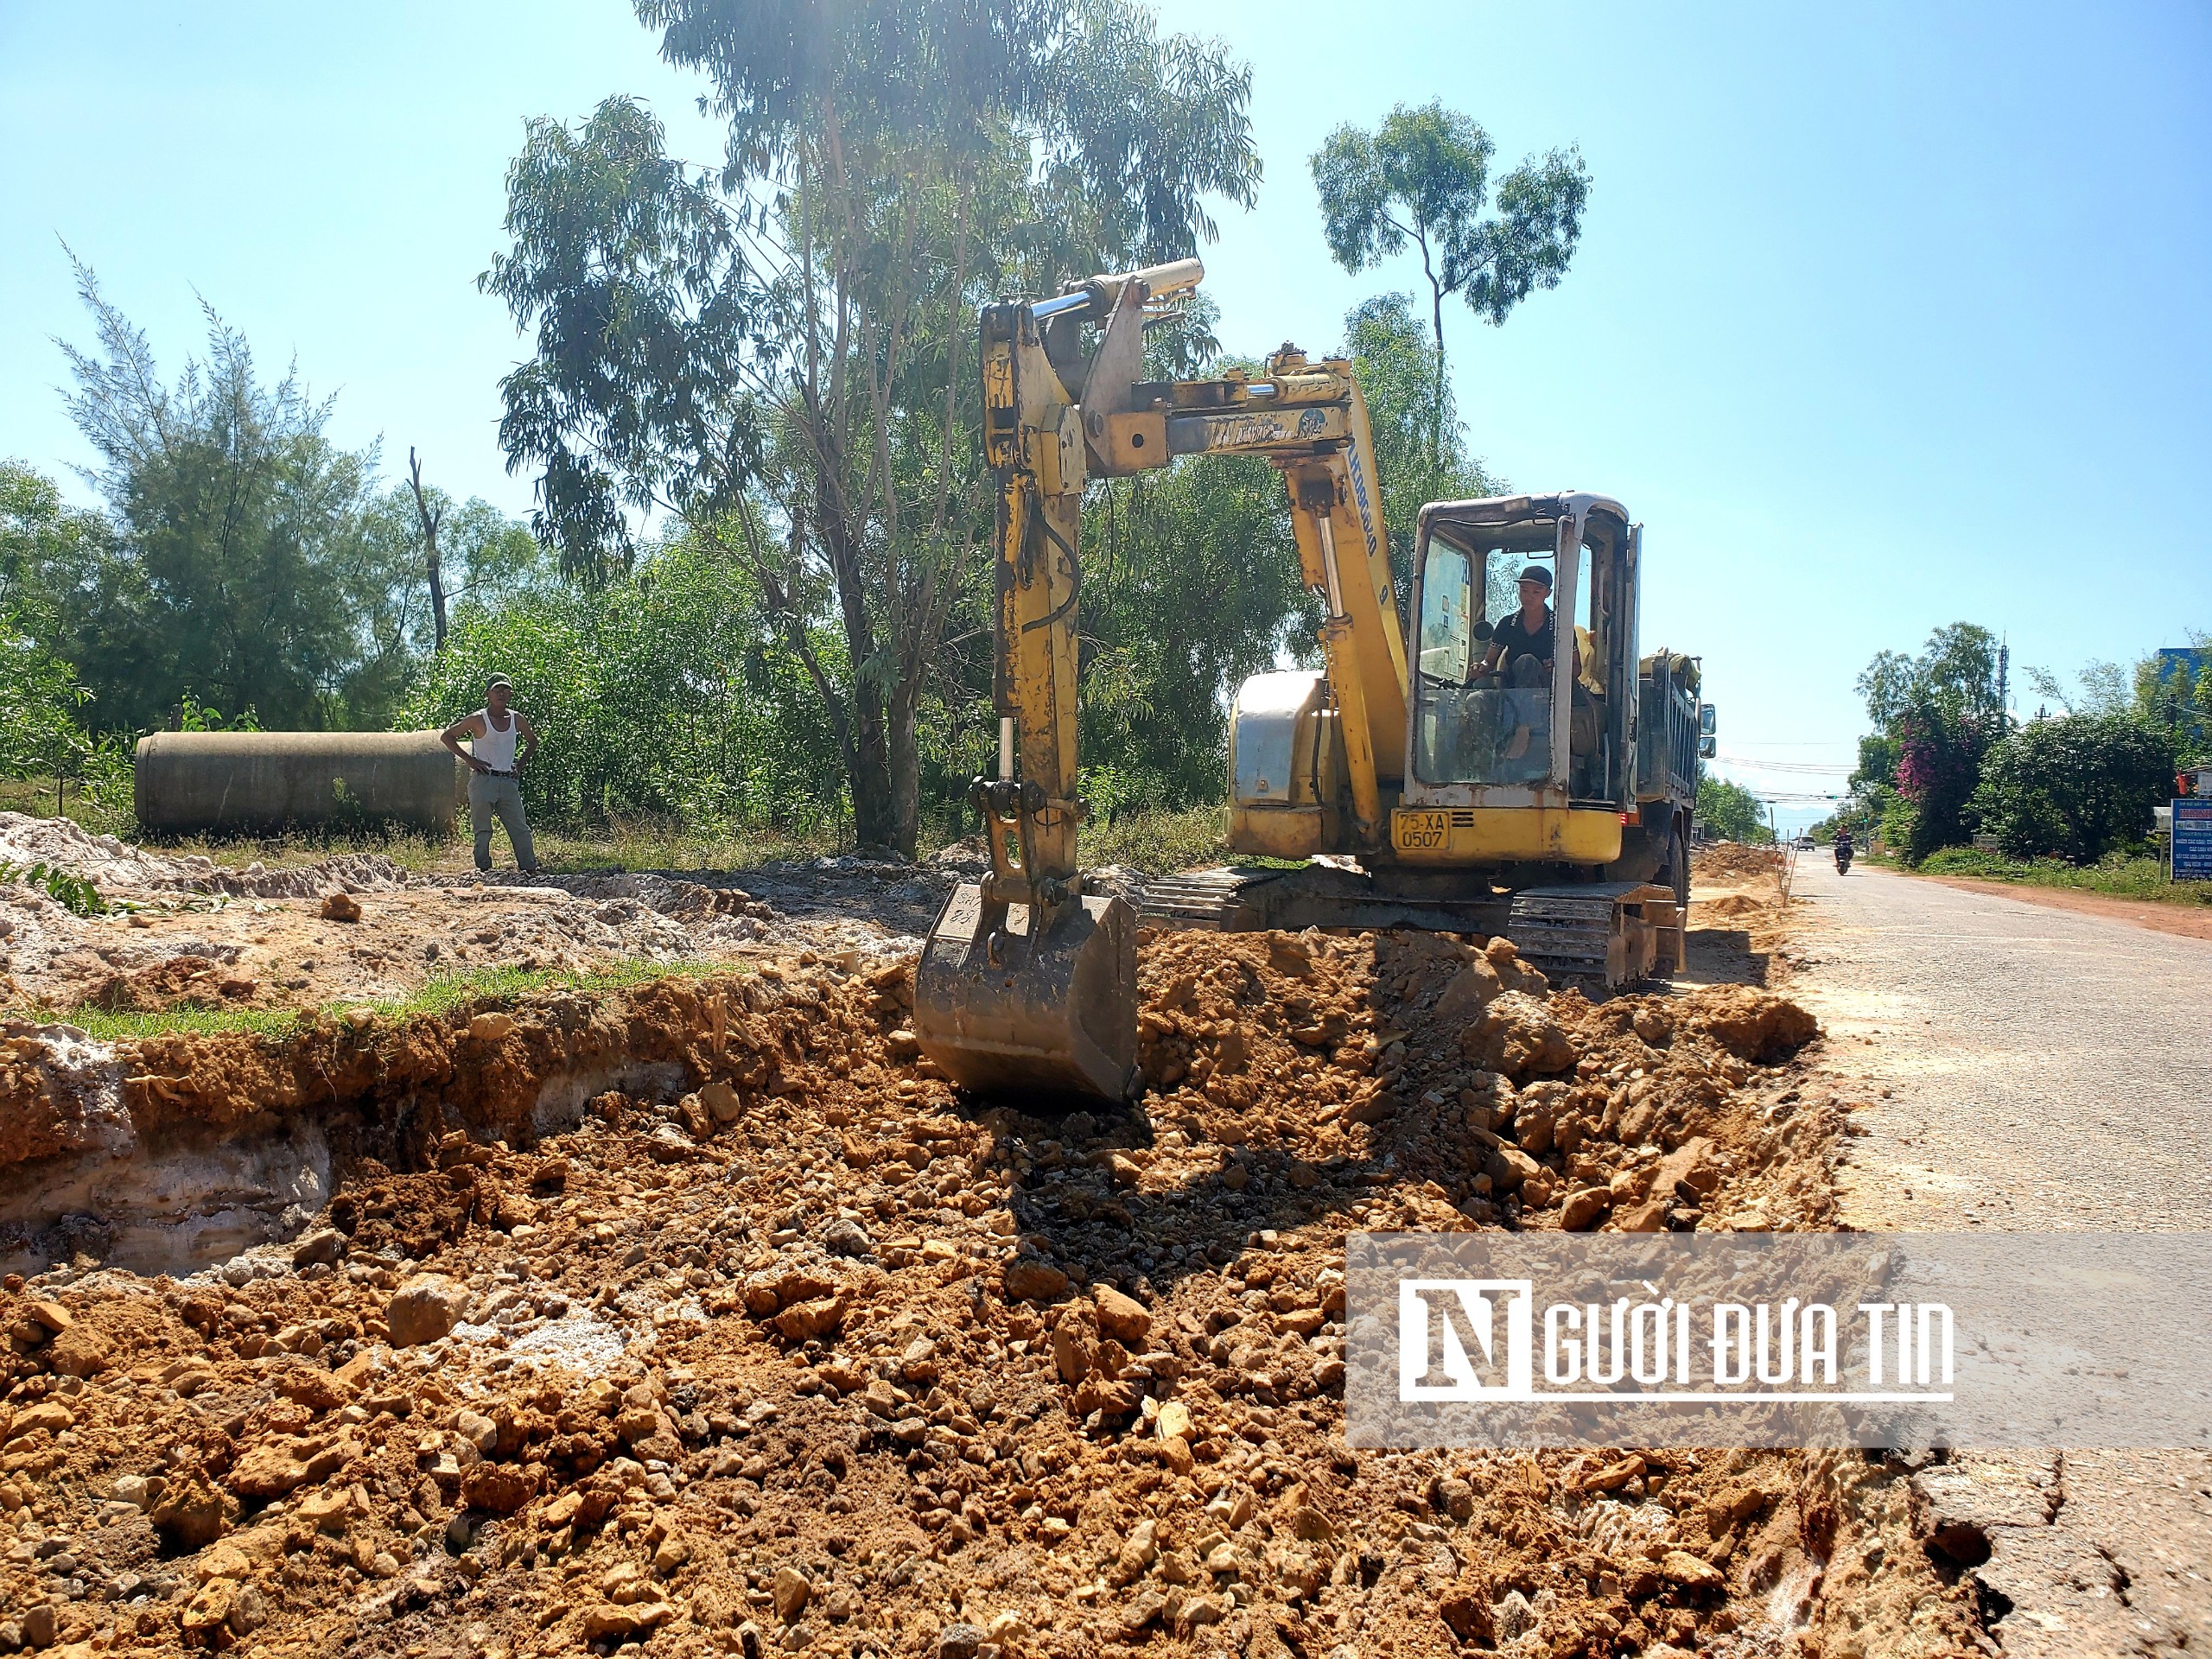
x: 1004, y: 1013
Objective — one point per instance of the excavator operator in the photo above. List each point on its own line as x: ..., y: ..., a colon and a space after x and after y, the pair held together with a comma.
x: 1522, y: 643
x: 1521, y: 648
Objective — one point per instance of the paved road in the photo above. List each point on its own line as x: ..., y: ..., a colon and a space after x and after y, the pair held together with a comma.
x: 2032, y: 1069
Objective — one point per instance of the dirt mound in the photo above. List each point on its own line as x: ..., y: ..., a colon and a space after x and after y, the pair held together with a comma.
x: 1288, y: 1061
x: 356, y: 928
x: 1729, y: 906
x: 115, y: 866
x: 1724, y: 860
x: 1752, y: 1024
x: 779, y: 1346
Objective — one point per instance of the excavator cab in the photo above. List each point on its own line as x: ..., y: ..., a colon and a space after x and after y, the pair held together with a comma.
x: 1523, y: 744
x: 1546, y: 754
x: 1547, y: 770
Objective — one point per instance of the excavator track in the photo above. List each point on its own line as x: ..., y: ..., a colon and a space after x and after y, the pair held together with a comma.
x: 1202, y: 898
x: 1239, y: 900
x: 1617, y: 932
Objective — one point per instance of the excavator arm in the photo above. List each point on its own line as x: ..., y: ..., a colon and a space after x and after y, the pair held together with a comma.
x: 1310, y: 421
x: 1028, y: 980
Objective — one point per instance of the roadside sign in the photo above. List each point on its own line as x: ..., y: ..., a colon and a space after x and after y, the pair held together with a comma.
x: 2192, y: 840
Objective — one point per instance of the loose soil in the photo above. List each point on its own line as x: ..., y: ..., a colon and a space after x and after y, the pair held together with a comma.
x: 187, y: 933
x: 705, y: 1317
x: 1724, y: 860
x: 1741, y: 930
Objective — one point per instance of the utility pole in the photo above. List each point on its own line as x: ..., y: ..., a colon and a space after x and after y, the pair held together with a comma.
x: 2004, y: 677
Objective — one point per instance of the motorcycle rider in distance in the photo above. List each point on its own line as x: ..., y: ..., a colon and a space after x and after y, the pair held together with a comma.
x: 1843, y: 852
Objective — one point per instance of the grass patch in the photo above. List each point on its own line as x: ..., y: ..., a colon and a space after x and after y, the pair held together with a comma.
x: 501, y: 984
x: 106, y: 1027
x: 625, y: 845
x: 444, y: 994
x: 2117, y: 875
x: 35, y: 798
x: 648, y: 846
x: 1155, y: 843
x: 1160, y: 843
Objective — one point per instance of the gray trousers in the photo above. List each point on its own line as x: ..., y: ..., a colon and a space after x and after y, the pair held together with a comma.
x: 488, y: 796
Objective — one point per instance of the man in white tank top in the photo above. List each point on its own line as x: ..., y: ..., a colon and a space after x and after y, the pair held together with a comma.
x: 494, y: 769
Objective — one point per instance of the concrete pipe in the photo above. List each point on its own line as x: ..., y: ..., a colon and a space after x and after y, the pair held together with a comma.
x: 190, y: 782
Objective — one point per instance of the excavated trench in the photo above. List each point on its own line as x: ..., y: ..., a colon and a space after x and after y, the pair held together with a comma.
x: 704, y: 1315
x: 175, y: 1154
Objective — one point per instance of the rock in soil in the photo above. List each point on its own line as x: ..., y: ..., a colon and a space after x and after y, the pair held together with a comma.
x: 706, y: 1316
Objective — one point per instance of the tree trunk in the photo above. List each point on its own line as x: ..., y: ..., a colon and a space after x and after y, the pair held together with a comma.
x: 905, y: 763
x: 1436, y: 321
x: 875, y: 820
x: 1436, y: 415
x: 431, y: 569
x: 874, y: 817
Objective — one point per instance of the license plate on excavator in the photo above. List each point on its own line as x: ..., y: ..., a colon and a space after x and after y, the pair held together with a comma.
x: 1420, y: 832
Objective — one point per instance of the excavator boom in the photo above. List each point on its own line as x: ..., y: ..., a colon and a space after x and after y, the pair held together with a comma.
x: 1028, y: 981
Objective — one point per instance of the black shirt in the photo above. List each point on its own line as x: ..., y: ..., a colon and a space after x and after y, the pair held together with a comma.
x: 1515, y: 640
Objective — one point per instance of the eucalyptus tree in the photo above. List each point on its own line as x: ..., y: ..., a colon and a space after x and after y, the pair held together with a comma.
x: 777, y: 349
x: 1421, y: 179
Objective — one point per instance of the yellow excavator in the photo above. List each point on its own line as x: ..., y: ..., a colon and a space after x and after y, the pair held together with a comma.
x: 1470, y: 787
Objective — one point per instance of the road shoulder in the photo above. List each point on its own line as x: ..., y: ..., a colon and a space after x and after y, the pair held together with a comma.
x: 2185, y: 921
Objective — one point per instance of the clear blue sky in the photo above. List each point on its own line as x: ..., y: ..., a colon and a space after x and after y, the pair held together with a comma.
x: 1883, y: 317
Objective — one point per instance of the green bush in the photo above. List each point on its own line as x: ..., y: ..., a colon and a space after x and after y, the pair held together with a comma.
x: 2129, y: 872
x: 71, y: 891
x: 658, y: 696
x: 2073, y: 787
x: 1161, y: 843
x: 1972, y: 860
x: 1901, y: 828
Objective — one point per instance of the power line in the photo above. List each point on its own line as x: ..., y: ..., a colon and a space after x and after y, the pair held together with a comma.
x: 1788, y: 766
